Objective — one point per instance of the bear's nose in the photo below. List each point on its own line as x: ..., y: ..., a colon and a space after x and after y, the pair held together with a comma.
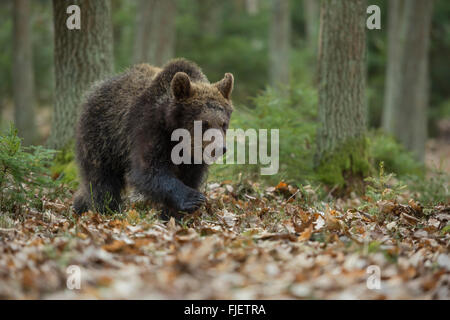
x: 224, y: 150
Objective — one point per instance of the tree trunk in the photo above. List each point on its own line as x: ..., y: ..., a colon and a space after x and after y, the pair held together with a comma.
x: 155, y: 31
x: 279, y: 42
x: 210, y: 16
x: 81, y: 58
x: 165, y: 45
x: 342, y: 108
x: 144, y: 28
x: 406, y: 95
x: 252, y: 7
x: 395, y: 9
x: 311, y: 9
x: 23, y: 85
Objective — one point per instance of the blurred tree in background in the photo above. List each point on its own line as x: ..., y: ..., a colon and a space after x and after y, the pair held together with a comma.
x: 235, y: 39
x: 210, y: 15
x: 407, y: 84
x: 311, y: 10
x: 229, y: 36
x: 23, y: 82
x: 155, y: 36
x: 279, y: 42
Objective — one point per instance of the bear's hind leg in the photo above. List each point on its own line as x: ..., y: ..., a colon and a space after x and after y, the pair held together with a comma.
x: 102, y: 194
x: 81, y: 202
x: 106, y: 194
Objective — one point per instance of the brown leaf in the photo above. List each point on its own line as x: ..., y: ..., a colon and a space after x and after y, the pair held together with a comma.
x: 306, y: 234
x: 115, y: 246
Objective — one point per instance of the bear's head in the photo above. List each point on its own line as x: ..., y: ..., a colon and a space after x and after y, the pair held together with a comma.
x: 198, y: 107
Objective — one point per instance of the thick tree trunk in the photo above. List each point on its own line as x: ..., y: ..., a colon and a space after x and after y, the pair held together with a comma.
x: 341, y: 136
x: 279, y: 42
x: 81, y: 58
x: 311, y: 10
x: 406, y: 95
x: 155, y: 31
x: 23, y: 85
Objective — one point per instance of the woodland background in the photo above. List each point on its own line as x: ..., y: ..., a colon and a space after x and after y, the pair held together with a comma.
x: 364, y: 119
x: 271, y: 49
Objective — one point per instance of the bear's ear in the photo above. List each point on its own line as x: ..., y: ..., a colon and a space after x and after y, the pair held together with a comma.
x: 225, y: 85
x: 181, y: 86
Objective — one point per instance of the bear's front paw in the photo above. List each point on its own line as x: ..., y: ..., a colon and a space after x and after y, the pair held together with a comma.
x: 192, y: 201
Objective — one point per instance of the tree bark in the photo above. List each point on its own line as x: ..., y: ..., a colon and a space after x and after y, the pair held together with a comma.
x: 395, y: 9
x: 81, y: 58
x: 342, y: 107
x: 406, y: 95
x: 155, y: 31
x: 23, y: 82
x: 279, y: 42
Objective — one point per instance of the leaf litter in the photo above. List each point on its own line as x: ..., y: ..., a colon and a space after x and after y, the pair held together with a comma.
x: 245, y: 243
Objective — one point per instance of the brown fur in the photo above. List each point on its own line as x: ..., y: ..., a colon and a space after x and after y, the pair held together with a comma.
x: 125, y: 129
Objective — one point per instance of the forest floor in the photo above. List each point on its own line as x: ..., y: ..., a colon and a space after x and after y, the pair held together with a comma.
x: 247, y: 242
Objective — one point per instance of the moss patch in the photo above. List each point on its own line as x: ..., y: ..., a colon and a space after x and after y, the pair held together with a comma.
x: 64, y: 167
x: 348, y: 160
x: 384, y: 148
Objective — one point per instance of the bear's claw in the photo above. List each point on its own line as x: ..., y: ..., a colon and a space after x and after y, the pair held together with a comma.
x: 193, y: 201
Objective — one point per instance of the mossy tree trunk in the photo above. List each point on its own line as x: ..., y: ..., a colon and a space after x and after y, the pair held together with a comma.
x: 81, y: 58
x: 279, y: 42
x: 341, y: 135
x: 406, y: 93
x: 23, y: 85
x: 155, y: 32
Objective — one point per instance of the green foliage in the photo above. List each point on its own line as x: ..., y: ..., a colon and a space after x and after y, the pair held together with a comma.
x: 431, y: 190
x: 395, y: 158
x: 383, y: 186
x: 446, y: 229
x: 42, y: 46
x: 24, y: 174
x: 239, y: 45
x: 293, y: 112
x: 439, y: 53
x: 6, y: 29
x: 42, y: 32
x: 123, y: 18
x: 64, y: 166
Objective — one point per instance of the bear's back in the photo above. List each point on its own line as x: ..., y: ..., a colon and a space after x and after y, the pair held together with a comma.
x: 103, y: 120
x: 133, y: 83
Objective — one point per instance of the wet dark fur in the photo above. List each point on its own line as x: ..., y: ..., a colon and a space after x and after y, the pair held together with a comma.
x: 123, y: 135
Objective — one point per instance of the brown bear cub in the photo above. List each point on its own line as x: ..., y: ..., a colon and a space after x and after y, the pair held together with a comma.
x: 124, y: 135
